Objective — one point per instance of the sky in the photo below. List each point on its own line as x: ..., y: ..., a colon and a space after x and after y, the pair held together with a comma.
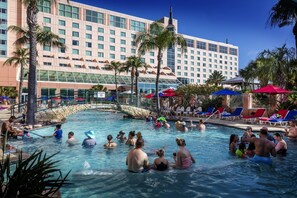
x: 242, y: 22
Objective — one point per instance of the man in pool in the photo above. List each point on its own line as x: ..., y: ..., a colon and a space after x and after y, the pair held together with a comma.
x: 292, y: 131
x: 263, y: 147
x: 71, y: 141
x: 137, y: 160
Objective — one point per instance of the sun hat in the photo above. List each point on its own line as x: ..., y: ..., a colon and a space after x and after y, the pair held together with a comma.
x: 90, y: 134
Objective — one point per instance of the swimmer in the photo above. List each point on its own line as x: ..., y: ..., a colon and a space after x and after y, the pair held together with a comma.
x: 183, y: 158
x: 131, y: 140
x: 241, y: 151
x: 110, y: 144
x: 90, y: 141
x: 201, y: 126
x: 233, y: 143
x: 292, y: 131
x: 137, y: 160
x: 281, y: 147
x: 166, y: 124
x: 161, y: 163
x: 71, y: 141
x: 121, y: 136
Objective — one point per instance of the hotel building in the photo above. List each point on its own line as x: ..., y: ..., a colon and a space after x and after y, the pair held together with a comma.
x: 94, y: 37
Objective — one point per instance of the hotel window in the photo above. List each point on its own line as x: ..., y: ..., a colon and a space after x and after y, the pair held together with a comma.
x: 212, y: 47
x: 185, y: 73
x: 63, y: 65
x: 186, y: 68
x: 68, y: 11
x: 226, y: 62
x: 88, y: 44
x: 112, y: 32
x: 62, y: 32
x: 185, y: 56
x: 215, y: 60
x: 3, y: 42
x: 62, y: 40
x: 112, y: 56
x: 75, y: 25
x: 100, y: 54
x: 192, y: 75
x: 198, y: 75
x: 133, y: 36
x: 198, y: 52
x: 142, y: 60
x: 192, y: 62
x: 198, y: 58
x: 137, y: 26
x: 210, y: 65
x: 47, y: 20
x: 210, y: 54
x: 204, y: 64
x: 100, y: 38
x: 204, y: 53
x: 77, y: 66
x: 204, y: 70
x: 44, y: 6
x: 190, y: 42
x: 112, y: 40
x: 178, y: 49
x: 47, y: 63
x: 204, y: 59
x: 62, y: 49
x: 192, y: 57
x: 185, y: 62
x: 192, y: 68
x: 93, y: 16
x: 179, y: 55
x: 2, y: 52
x: 210, y: 71
x: 210, y: 60
x: 75, y: 51
x: 198, y: 64
x: 178, y: 67
x: 117, y: 21
x: 123, y: 57
x: 223, y: 49
x: 88, y: 27
x: 46, y: 47
x: 75, y: 42
x: 123, y: 49
x: 179, y: 73
x: 201, y: 45
x: 216, y: 66
x: 88, y: 36
x: 232, y: 51
x: 178, y: 61
x: 152, y: 53
x: 152, y: 61
x: 123, y: 42
x: 123, y: 34
x: 100, y: 46
x: 75, y: 34
x: 204, y: 75
x: 133, y: 51
x: 47, y: 28
x: 100, y: 30
x: 192, y: 51
x: 198, y: 70
x: 112, y: 48
x: 133, y: 43
x: 88, y: 53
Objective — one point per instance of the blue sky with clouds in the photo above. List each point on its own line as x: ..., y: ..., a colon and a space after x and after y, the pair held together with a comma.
x: 243, y: 22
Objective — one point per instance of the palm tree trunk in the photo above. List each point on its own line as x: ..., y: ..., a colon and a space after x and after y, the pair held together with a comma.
x: 21, y: 87
x: 32, y: 24
x: 116, y: 84
x: 136, y: 86
x: 132, y: 87
x: 295, y: 34
x: 157, y: 81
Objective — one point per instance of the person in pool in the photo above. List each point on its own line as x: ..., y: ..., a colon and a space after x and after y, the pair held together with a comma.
x: 137, y: 160
x: 201, y: 126
x: 233, y: 142
x: 58, y: 131
x: 183, y: 158
x: 121, y: 136
x: 131, y: 140
x: 251, y: 148
x: 90, y: 141
x: 165, y: 124
x: 110, y: 144
x: 71, y: 141
x: 248, y: 132
x: 281, y: 147
x: 263, y: 148
x: 292, y: 131
x: 241, y: 151
x: 161, y: 163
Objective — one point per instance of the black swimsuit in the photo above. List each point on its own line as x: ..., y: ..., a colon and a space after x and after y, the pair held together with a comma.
x: 161, y: 166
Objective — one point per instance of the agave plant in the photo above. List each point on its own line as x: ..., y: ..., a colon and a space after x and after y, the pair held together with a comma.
x: 36, y: 176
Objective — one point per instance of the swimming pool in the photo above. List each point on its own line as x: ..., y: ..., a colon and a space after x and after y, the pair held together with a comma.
x: 215, y: 174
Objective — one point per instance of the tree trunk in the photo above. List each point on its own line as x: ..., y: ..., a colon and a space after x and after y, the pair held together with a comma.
x: 116, y: 84
x: 21, y: 87
x: 132, y: 87
x: 157, y: 82
x: 295, y: 34
x: 32, y: 24
x: 136, y: 86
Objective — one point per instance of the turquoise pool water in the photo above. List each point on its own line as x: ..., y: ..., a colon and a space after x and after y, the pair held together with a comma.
x: 99, y: 172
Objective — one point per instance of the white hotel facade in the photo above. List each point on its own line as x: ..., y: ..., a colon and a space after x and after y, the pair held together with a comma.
x: 94, y: 37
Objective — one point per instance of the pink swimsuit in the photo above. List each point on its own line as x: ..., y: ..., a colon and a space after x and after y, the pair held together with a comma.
x: 186, y: 162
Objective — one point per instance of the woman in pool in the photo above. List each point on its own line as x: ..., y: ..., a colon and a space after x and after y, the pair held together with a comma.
x: 251, y: 148
x: 110, y: 144
x: 121, y: 136
x: 201, y: 126
x: 248, y: 132
x: 161, y: 163
x: 90, y: 141
x: 165, y: 124
x: 241, y: 151
x: 281, y: 147
x: 183, y: 158
x: 131, y: 140
x: 233, y: 143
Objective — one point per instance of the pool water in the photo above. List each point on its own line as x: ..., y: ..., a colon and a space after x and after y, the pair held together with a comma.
x: 100, y: 172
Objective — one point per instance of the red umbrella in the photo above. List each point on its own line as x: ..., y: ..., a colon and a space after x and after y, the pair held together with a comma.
x: 168, y: 94
x: 149, y: 95
x: 270, y: 89
x: 169, y: 90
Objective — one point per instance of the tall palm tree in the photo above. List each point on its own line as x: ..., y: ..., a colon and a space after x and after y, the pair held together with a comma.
x: 284, y: 13
x: 117, y: 68
x: 32, y: 11
x: 215, y: 78
x: 249, y: 74
x: 134, y: 63
x: 158, y: 38
x: 20, y: 58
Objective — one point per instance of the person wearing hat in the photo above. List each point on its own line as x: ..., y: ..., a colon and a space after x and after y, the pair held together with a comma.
x: 90, y: 141
x: 110, y: 144
x: 121, y: 136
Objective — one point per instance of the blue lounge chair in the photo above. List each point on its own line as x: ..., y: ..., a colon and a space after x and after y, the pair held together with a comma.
x: 209, y: 110
x: 237, y: 113
x: 284, y: 121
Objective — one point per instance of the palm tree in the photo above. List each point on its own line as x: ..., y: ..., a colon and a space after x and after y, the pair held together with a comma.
x: 249, y: 74
x: 215, y: 78
x: 284, y: 13
x: 134, y: 63
x: 20, y: 57
x: 32, y: 11
x: 158, y: 38
x: 117, y: 67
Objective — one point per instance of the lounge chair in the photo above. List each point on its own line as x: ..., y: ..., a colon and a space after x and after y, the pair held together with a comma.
x: 237, y: 113
x: 188, y: 111
x: 209, y: 110
x: 284, y: 121
x: 281, y: 112
x: 218, y: 112
x: 252, y: 118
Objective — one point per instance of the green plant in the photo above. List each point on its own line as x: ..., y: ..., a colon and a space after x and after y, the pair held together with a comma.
x: 35, y: 176
x: 216, y: 102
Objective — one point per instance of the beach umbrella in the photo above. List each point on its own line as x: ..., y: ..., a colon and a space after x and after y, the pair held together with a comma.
x: 270, y: 89
x: 168, y: 90
x: 225, y: 92
x: 148, y: 96
x: 4, y: 98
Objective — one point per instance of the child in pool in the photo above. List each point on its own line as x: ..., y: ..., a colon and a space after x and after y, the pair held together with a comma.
x: 241, y: 151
